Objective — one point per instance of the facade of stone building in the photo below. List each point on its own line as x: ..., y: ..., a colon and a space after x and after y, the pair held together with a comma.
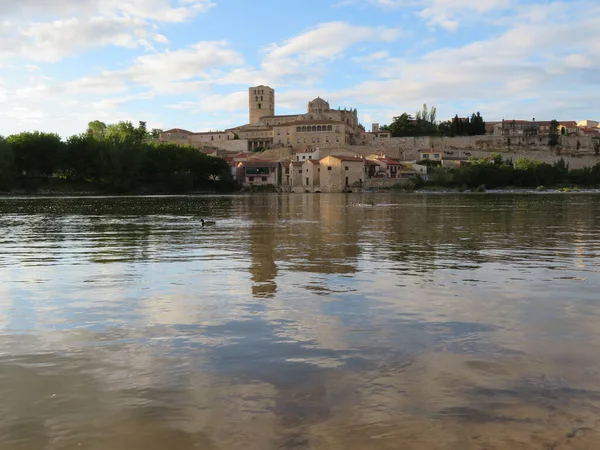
x: 340, y: 173
x: 320, y: 126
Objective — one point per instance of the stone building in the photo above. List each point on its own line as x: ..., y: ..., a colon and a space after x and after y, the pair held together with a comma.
x: 321, y: 126
x: 340, y: 173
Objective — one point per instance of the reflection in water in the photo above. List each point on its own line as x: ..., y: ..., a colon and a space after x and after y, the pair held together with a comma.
x: 300, y: 322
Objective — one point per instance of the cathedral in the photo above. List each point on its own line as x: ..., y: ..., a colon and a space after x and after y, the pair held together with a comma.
x: 319, y: 127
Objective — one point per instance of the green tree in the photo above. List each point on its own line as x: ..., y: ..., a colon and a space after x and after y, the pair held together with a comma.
x: 7, y: 165
x: 97, y: 129
x: 401, y: 126
x: 553, y: 133
x: 155, y: 133
x: 37, y: 154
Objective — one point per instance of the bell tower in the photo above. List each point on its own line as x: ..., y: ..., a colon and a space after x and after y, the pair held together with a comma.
x: 261, y: 101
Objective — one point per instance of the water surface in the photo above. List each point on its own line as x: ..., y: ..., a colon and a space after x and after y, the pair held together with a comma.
x: 300, y: 322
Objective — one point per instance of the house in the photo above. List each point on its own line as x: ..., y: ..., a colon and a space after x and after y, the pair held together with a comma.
x: 568, y: 128
x: 586, y: 131
x: 311, y: 174
x: 340, y: 173
x: 373, y: 169
x: 256, y: 172
x: 430, y: 156
x: 295, y: 174
x: 588, y: 124
x: 391, y: 167
x: 307, y: 153
x: 517, y: 128
x: 176, y: 136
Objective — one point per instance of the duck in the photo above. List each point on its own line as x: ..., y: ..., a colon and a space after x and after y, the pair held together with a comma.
x: 206, y: 223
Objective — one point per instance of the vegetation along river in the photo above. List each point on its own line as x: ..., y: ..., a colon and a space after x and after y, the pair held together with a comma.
x: 300, y: 322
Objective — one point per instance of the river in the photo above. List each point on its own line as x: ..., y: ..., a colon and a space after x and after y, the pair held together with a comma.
x: 325, y: 321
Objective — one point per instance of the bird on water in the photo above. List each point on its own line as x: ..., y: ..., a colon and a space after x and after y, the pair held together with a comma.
x: 206, y: 223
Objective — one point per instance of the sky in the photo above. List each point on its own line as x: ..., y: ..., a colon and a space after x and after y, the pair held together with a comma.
x: 189, y: 63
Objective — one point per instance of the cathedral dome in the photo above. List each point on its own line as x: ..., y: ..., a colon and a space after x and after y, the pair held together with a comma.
x: 318, y: 106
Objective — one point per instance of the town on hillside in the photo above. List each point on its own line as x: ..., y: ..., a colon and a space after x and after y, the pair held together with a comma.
x: 329, y: 150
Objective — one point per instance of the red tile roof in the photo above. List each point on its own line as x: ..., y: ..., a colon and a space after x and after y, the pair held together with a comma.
x: 389, y: 161
x: 314, y: 161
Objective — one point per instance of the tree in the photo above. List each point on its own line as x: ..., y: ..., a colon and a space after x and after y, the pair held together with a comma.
x: 37, y: 154
x: 155, y: 133
x: 553, y: 133
x: 97, y: 129
x: 401, y: 126
x: 7, y: 165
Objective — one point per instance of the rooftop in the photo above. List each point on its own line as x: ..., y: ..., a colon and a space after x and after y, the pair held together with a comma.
x: 347, y: 158
x: 178, y: 130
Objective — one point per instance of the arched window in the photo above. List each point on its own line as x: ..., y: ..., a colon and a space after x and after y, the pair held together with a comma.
x: 298, y: 129
x: 328, y: 127
x: 319, y: 128
x: 304, y: 129
x: 314, y: 128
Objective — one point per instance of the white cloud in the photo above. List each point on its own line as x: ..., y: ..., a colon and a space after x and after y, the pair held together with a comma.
x: 307, y: 53
x: 165, y: 72
x: 86, y: 23
x: 383, y: 54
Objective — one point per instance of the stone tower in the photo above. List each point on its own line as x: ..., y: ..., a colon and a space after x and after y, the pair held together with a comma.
x: 261, y: 101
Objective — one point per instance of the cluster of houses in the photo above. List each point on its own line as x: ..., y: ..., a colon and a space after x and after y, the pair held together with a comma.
x: 542, y: 128
x: 319, y: 138
x: 308, y: 172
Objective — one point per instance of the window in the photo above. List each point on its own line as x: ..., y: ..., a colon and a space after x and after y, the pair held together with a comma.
x: 212, y: 138
x: 309, y: 157
x: 278, y: 132
x: 346, y: 167
x: 259, y: 106
x: 328, y: 127
x: 288, y: 141
x: 264, y: 178
x: 306, y: 170
x: 303, y: 157
x: 426, y: 156
x: 257, y: 98
x: 319, y: 170
x: 298, y: 129
x: 300, y: 171
x: 328, y: 167
x: 261, y: 99
x: 436, y: 156
x: 287, y: 170
x: 250, y: 179
x: 326, y: 138
x: 314, y: 140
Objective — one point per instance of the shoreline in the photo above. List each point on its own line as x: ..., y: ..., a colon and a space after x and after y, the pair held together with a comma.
x: 435, y: 191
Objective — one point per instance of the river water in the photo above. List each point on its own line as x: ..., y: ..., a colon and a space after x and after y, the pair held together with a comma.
x: 300, y: 322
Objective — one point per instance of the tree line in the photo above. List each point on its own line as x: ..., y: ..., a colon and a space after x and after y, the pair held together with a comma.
x: 424, y: 123
x: 115, y: 158
x: 496, y: 172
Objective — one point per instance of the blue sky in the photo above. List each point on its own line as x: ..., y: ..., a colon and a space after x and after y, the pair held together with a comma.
x: 188, y: 63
